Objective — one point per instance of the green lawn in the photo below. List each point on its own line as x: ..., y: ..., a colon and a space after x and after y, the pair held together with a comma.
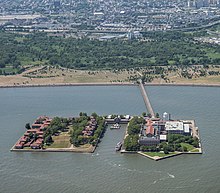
x: 195, y: 150
x: 61, y: 141
x: 20, y: 39
x: 62, y: 144
x: 9, y: 69
x: 159, y: 154
x: 188, y: 146
x: 212, y: 54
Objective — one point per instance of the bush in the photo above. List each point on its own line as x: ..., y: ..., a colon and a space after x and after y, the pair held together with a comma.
x: 185, y: 149
x: 165, y: 150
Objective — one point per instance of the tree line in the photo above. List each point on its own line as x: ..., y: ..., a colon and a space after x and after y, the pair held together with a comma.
x: 165, y: 48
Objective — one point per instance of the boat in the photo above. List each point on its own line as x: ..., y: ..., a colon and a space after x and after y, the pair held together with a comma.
x: 115, y: 126
x: 118, y: 146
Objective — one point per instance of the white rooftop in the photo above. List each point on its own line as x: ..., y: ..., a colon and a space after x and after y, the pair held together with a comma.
x: 163, y: 137
x: 186, y: 128
x: 127, y: 116
x: 174, y: 126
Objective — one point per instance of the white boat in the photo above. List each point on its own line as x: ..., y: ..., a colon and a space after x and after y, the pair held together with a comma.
x: 118, y: 146
x: 115, y: 126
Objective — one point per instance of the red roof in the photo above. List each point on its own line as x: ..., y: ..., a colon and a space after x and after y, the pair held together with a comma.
x: 47, y: 123
x: 32, y: 130
x: 40, y: 132
x: 29, y: 143
x: 38, y: 125
x: 19, y: 144
x: 23, y: 139
x: 41, y: 122
x: 35, y: 145
x: 150, y: 128
x: 39, y: 141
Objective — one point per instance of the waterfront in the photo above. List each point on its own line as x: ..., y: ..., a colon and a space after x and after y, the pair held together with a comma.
x: 106, y: 170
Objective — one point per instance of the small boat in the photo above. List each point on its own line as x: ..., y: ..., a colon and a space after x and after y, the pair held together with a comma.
x: 115, y: 126
x: 118, y: 146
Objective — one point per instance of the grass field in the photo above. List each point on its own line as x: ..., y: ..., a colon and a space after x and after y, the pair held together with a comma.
x: 202, y: 80
x: 195, y: 150
x: 61, y: 141
x: 41, y: 75
x: 188, y: 146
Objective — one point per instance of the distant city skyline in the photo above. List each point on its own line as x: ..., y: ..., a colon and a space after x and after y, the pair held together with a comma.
x: 111, y: 15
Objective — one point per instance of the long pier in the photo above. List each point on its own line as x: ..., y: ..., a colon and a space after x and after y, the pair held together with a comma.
x: 146, y: 99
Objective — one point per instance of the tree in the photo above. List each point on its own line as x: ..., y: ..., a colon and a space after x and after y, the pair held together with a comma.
x: 144, y: 114
x: 195, y: 142
x: 30, y: 135
x: 149, y: 115
x: 94, y: 115
x: 165, y: 149
x: 162, y: 145
x: 27, y: 126
x: 153, y: 148
x: 157, y: 115
x: 170, y: 148
x: 144, y: 148
x: 131, y: 143
x: 81, y: 114
x: 35, y: 136
x: 48, y: 139
x: 185, y: 149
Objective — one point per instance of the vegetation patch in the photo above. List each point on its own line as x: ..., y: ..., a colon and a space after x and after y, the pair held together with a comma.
x: 87, y: 129
x: 187, y: 146
x: 53, y: 134
x: 61, y: 141
x: 131, y: 141
x: 167, y: 48
x: 195, y: 150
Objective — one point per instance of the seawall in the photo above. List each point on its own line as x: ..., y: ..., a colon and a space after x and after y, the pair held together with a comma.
x: 108, y: 84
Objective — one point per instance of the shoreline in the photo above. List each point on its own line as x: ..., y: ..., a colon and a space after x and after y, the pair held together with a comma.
x: 109, y: 84
x: 168, y: 156
x: 54, y: 150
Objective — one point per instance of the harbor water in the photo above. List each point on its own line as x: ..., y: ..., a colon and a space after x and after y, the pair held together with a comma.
x: 107, y: 170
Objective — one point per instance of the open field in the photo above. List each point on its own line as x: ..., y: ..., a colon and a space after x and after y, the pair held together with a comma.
x: 195, y: 150
x: 188, y: 146
x: 200, y: 80
x: 61, y: 141
x: 41, y: 75
x: 55, y: 76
